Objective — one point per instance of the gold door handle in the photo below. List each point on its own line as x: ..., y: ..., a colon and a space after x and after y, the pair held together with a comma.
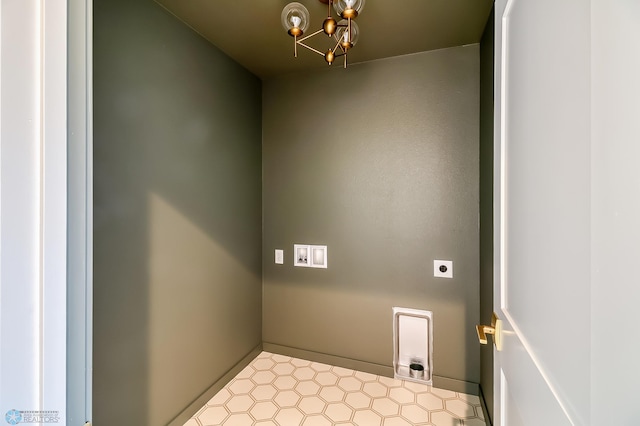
x: 495, y: 329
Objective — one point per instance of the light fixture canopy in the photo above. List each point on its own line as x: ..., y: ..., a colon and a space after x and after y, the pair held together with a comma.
x: 295, y: 19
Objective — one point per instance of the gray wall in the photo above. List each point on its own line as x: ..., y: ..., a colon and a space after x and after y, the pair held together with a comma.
x: 380, y: 163
x: 486, y: 206
x: 177, y: 214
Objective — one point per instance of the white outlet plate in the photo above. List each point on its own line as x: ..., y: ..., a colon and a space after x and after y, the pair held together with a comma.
x: 279, y: 256
x: 443, y: 268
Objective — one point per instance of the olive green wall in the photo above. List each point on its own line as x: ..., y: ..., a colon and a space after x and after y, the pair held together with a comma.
x: 177, y: 215
x: 380, y: 163
x: 486, y: 205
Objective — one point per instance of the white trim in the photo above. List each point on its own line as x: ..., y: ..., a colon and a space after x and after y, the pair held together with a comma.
x: 503, y: 155
x: 1, y: 287
x: 89, y: 211
x: 54, y: 203
x: 34, y: 187
x: 80, y: 212
x: 20, y: 306
x: 503, y: 398
x: 39, y: 102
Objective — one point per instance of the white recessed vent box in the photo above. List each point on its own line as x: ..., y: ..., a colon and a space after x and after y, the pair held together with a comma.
x: 413, y: 345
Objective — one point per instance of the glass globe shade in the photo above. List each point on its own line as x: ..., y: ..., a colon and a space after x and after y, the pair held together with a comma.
x: 295, y: 15
x: 341, y: 5
x: 343, y: 31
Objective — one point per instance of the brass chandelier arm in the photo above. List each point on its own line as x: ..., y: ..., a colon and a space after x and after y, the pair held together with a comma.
x: 310, y: 48
x: 344, y: 52
x: 310, y: 35
x: 337, y: 45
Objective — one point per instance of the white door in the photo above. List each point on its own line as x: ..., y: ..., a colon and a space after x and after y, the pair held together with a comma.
x: 542, y: 212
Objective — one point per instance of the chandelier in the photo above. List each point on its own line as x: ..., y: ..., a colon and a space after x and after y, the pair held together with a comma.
x: 295, y: 19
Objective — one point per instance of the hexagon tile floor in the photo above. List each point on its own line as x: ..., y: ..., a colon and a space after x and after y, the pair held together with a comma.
x: 277, y: 390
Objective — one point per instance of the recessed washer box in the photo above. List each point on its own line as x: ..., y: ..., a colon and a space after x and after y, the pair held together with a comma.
x: 309, y: 256
x: 301, y: 255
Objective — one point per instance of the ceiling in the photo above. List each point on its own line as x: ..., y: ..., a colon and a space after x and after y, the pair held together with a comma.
x: 250, y: 31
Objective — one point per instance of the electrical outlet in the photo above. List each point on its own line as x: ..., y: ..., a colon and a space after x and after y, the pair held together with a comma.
x: 443, y: 268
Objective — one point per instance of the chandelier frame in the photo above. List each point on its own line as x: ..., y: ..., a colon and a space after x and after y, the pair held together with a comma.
x: 344, y: 40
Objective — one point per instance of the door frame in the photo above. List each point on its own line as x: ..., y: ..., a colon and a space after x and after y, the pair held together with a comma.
x: 46, y: 207
x: 80, y: 212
